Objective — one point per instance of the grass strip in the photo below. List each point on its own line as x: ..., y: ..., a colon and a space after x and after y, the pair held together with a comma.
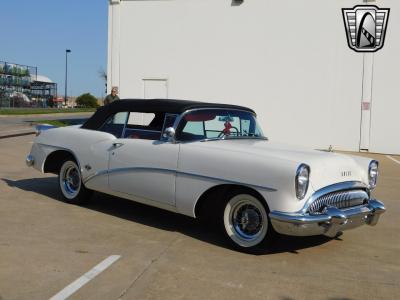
x: 57, y: 123
x: 39, y: 111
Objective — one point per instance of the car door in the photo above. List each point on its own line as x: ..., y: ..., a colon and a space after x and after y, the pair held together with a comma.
x: 143, y: 166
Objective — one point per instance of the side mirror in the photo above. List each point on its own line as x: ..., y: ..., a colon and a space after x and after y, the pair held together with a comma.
x: 169, y: 133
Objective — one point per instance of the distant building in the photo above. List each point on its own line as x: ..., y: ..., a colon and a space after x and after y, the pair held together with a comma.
x: 43, y: 90
x: 21, y: 86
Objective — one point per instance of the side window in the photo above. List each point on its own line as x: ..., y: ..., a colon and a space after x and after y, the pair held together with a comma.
x: 144, y: 126
x: 115, y: 124
x: 141, y: 119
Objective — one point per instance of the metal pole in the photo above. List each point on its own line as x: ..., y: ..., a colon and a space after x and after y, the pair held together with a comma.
x: 66, y: 75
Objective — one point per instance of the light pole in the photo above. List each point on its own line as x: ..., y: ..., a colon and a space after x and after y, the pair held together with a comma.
x: 66, y: 75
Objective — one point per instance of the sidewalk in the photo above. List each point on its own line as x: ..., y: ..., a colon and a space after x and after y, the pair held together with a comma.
x: 8, y: 131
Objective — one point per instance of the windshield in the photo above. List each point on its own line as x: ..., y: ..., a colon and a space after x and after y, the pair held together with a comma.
x: 218, y: 124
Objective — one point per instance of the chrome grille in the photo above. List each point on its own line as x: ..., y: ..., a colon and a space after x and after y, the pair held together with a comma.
x: 340, y: 200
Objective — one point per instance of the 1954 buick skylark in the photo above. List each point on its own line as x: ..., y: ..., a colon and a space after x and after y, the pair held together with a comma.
x: 202, y: 159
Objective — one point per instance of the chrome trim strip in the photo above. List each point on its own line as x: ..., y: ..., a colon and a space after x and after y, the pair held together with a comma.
x: 138, y: 169
x: 348, y: 185
x: 97, y: 174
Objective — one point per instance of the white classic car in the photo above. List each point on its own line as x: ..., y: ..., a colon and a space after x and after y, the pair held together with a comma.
x: 201, y: 159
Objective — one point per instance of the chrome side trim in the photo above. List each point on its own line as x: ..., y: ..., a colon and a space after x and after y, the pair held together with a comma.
x: 348, y: 185
x: 97, y: 174
x: 162, y: 170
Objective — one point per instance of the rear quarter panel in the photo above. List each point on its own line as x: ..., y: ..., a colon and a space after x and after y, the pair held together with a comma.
x: 89, y: 147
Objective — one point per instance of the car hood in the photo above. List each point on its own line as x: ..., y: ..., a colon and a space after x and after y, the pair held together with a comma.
x: 326, y: 167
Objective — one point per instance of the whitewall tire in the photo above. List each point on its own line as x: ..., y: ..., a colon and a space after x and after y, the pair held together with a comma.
x: 70, y: 183
x: 246, y: 222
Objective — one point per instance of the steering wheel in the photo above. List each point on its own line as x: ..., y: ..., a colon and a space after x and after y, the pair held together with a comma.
x: 223, y: 131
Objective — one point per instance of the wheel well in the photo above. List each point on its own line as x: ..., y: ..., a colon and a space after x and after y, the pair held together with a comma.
x: 55, y: 159
x: 218, y: 192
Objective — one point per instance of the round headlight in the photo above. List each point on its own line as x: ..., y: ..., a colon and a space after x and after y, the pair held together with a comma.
x: 373, y: 173
x: 302, y: 181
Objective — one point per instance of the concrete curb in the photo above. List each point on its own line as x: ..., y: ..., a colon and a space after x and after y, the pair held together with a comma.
x: 16, y: 135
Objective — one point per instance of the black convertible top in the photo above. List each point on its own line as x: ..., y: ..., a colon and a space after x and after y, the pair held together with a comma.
x: 151, y: 106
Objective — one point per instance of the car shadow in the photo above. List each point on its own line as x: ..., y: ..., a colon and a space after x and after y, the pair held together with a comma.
x: 161, y: 219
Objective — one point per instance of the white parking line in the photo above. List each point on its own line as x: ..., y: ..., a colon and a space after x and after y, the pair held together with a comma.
x: 81, y: 281
x: 392, y: 158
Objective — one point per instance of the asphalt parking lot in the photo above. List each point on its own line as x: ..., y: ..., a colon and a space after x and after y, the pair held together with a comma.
x: 46, y: 244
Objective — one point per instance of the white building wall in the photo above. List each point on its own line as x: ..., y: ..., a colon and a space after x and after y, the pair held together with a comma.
x: 385, y: 109
x: 287, y: 59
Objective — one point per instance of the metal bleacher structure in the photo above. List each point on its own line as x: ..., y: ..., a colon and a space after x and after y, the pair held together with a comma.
x: 21, y: 86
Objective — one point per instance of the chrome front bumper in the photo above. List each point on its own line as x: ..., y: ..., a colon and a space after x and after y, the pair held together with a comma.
x: 329, y: 223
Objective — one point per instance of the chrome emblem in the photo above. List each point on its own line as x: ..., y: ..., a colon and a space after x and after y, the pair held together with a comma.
x: 346, y: 173
x: 365, y: 27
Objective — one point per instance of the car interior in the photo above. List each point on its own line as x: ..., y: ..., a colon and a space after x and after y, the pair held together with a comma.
x: 134, y: 125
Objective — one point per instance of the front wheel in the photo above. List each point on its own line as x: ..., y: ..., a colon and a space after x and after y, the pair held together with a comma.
x: 246, y: 222
x: 70, y: 182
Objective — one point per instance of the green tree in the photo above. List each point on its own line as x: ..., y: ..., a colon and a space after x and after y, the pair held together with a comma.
x: 87, y: 100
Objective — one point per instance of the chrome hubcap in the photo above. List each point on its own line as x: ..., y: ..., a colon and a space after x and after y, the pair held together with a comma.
x: 70, y: 180
x: 247, y: 220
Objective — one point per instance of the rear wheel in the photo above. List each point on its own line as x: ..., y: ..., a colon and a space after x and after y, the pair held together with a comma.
x: 71, y: 185
x: 245, y: 221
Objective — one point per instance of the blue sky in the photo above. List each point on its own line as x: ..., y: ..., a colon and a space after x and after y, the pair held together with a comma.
x: 37, y: 32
